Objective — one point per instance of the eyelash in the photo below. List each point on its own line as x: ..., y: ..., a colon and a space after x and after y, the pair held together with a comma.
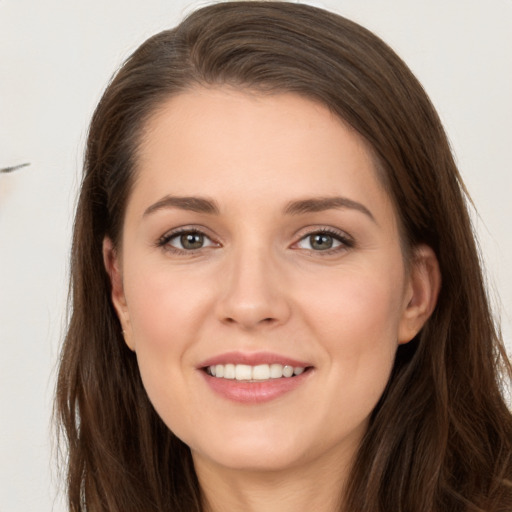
x: 345, y: 241
x: 164, y: 241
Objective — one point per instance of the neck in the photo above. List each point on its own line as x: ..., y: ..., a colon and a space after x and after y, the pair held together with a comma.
x: 319, y: 487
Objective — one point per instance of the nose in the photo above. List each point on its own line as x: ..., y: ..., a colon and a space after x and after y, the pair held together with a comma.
x: 254, y: 292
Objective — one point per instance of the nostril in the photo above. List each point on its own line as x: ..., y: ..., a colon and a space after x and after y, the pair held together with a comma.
x: 267, y: 320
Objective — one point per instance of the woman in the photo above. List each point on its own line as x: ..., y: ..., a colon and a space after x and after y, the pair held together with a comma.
x: 277, y: 298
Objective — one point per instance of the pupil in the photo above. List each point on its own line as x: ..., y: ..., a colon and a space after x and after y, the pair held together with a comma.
x: 192, y: 240
x: 321, y: 241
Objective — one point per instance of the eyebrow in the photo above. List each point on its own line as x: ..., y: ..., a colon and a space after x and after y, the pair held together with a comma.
x: 320, y: 204
x: 193, y: 204
x: 310, y: 205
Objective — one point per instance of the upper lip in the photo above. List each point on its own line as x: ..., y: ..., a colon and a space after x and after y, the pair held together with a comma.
x: 253, y: 359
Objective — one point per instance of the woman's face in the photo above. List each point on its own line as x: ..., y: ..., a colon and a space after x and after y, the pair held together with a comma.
x: 259, y: 243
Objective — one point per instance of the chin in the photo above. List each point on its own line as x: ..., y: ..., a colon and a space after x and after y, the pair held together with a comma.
x: 253, y: 461
x: 261, y: 451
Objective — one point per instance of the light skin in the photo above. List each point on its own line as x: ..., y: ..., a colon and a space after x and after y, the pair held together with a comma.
x: 296, y: 251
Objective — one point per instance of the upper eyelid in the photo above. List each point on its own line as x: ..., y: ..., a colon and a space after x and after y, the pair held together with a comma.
x: 311, y: 230
x: 203, y: 230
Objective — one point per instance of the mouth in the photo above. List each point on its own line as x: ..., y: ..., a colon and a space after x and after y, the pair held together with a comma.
x: 256, y: 373
x: 254, y: 378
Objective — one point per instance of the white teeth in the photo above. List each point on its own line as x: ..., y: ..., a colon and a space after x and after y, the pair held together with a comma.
x: 287, y: 371
x: 258, y: 372
x: 229, y: 371
x: 276, y: 371
x: 243, y: 372
x: 261, y: 372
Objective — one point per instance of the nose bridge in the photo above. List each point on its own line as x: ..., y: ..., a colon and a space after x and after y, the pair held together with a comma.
x: 253, y: 293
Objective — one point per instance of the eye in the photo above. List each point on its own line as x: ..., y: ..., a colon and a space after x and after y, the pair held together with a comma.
x: 324, y: 241
x: 186, y: 240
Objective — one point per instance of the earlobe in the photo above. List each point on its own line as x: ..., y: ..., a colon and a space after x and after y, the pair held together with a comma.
x: 113, y: 268
x: 422, y: 292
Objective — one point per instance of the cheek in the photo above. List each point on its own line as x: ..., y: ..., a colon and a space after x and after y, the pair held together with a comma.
x: 358, y: 306
x: 166, y: 312
x: 356, y: 319
x: 164, y: 306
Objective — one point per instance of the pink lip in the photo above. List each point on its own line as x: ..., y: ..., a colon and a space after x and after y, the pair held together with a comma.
x: 253, y: 359
x: 254, y: 392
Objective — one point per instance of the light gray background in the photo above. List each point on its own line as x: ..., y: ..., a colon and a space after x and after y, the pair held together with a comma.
x: 56, y: 56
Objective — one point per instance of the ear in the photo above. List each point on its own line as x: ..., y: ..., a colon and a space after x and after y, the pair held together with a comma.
x: 112, y: 264
x: 422, y: 290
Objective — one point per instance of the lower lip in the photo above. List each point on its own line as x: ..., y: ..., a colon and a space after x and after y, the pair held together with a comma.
x: 254, y: 392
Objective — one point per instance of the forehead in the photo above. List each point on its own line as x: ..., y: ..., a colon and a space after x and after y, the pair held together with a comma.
x: 234, y: 143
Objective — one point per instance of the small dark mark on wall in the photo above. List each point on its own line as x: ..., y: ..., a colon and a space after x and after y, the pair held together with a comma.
x: 13, y: 168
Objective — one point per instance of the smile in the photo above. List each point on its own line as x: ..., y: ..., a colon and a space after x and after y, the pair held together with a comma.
x: 254, y: 378
x: 258, y: 373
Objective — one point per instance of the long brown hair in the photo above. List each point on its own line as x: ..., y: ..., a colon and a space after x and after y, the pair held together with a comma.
x: 440, y: 438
